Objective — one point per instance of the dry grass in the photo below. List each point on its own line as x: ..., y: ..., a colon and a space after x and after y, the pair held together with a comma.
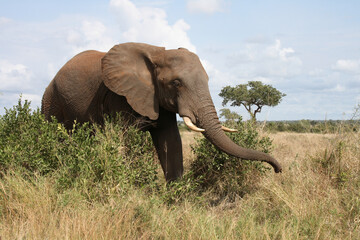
x: 299, y: 145
x: 306, y: 201
x: 187, y: 139
x: 287, y: 146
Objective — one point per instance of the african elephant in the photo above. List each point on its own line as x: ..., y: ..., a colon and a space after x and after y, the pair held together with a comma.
x: 147, y: 84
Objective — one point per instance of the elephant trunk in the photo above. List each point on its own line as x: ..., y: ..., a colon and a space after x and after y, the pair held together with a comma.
x: 208, y: 120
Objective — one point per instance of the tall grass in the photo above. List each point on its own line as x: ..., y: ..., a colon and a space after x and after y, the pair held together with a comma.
x: 91, y: 185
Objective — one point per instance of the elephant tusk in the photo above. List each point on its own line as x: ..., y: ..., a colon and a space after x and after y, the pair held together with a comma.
x: 226, y: 129
x: 190, y: 125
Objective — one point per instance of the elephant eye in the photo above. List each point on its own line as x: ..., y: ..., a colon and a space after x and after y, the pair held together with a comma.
x: 176, y: 83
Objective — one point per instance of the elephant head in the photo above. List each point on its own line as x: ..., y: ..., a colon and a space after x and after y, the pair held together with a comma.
x: 152, y: 78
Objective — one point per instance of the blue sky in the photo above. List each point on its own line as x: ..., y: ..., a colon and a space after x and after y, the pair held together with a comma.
x: 309, y: 50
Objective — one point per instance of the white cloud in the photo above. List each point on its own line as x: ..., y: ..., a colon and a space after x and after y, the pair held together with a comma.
x: 150, y: 25
x: 16, y: 80
x: 263, y: 80
x: 347, y: 65
x: 267, y: 61
x: 43, y: 47
x: 36, y: 51
x: 276, y: 51
x: 90, y: 35
x: 338, y: 88
x: 8, y: 100
x: 282, y: 61
x: 34, y: 98
x: 205, y: 6
x: 358, y: 99
x: 14, y: 77
x: 51, y: 70
x: 317, y: 72
x: 217, y: 79
x: 4, y: 20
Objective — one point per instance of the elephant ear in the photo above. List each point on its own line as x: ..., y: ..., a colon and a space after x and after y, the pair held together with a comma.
x: 128, y: 70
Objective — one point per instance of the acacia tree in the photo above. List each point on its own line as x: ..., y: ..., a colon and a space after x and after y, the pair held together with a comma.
x: 230, y: 116
x: 253, y: 96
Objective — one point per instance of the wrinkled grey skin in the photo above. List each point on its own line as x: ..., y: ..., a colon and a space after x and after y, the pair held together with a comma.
x: 148, y: 85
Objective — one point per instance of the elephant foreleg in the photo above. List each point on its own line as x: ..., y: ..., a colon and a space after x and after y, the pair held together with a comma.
x: 167, y: 141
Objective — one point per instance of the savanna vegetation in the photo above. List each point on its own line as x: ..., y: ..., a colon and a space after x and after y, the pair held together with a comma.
x: 313, y: 126
x: 253, y: 96
x: 105, y: 183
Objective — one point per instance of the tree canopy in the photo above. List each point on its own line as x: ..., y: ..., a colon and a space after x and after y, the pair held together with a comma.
x: 229, y: 115
x: 253, y: 96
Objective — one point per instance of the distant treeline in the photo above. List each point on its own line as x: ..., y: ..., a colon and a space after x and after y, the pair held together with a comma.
x: 313, y: 126
x: 306, y: 126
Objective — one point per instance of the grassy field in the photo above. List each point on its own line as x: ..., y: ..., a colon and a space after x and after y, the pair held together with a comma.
x: 316, y: 197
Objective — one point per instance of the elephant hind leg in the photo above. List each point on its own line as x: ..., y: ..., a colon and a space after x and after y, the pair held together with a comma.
x: 51, y: 105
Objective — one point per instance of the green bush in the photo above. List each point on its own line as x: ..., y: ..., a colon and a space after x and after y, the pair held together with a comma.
x: 216, y: 176
x: 224, y: 175
x: 99, y: 161
x: 95, y: 159
x: 27, y: 142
